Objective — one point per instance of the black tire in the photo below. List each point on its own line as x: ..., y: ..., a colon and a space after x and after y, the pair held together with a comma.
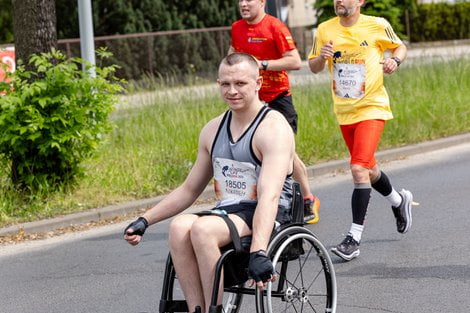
x: 306, y: 279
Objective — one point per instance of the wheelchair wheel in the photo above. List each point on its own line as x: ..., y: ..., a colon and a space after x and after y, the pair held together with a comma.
x: 172, y: 299
x: 306, y: 279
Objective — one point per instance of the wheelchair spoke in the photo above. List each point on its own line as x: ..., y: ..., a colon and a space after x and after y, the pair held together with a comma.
x: 301, y: 267
x: 304, y: 283
x: 311, y: 306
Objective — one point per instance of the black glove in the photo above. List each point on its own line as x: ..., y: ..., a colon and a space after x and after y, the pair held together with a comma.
x: 260, y: 267
x: 138, y: 226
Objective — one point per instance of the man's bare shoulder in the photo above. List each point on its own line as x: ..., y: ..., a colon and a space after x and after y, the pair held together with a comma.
x: 276, y: 118
x: 274, y: 126
x: 209, y: 130
x: 215, y: 122
x: 274, y: 138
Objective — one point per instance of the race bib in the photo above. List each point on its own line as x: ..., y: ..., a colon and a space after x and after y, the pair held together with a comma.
x: 349, y: 80
x: 234, y: 181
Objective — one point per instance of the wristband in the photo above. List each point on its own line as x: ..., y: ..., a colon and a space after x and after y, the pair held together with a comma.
x: 396, y: 59
x: 264, y: 64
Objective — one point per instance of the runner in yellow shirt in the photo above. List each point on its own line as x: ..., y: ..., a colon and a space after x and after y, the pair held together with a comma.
x: 352, y: 45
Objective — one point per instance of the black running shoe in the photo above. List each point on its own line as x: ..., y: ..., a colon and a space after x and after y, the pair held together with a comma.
x: 403, y: 211
x: 348, y: 249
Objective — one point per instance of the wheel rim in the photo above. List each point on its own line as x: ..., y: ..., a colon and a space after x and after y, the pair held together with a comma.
x: 313, y: 292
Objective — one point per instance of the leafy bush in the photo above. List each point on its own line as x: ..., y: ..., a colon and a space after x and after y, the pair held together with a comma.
x: 427, y: 22
x: 53, y: 117
x: 440, y: 21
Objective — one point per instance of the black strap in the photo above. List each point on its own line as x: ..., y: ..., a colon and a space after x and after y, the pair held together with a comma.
x: 231, y: 227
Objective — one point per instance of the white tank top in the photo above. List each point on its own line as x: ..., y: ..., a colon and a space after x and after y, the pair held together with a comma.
x: 236, y: 167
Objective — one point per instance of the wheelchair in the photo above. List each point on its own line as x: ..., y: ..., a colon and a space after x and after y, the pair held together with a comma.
x: 306, y: 278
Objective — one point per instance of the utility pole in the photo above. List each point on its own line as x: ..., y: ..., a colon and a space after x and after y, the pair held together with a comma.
x: 87, y: 43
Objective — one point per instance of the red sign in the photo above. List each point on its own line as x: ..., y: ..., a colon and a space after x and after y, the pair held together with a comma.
x: 7, y: 56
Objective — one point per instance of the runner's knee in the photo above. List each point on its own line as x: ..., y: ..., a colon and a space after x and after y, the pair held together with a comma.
x: 360, y: 174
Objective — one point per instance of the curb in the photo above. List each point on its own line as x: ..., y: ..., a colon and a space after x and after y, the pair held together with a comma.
x: 113, y: 211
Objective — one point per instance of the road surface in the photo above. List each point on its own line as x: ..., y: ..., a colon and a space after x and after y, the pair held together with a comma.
x: 424, y: 271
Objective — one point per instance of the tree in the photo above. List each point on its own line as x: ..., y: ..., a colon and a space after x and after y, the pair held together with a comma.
x: 34, y: 27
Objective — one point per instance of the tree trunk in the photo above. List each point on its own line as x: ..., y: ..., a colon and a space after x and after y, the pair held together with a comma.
x: 34, y: 27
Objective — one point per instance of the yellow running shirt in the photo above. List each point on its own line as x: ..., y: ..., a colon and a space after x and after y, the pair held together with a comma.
x: 357, y: 75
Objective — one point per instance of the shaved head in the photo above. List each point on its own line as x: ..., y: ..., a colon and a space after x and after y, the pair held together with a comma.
x: 240, y: 57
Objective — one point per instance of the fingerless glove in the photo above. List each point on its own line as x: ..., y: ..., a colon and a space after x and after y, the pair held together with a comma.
x: 138, y: 226
x: 260, y: 267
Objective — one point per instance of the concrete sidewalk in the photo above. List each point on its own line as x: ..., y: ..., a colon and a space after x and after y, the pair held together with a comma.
x: 110, y: 212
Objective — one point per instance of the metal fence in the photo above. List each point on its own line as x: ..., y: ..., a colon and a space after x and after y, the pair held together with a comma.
x: 172, y: 56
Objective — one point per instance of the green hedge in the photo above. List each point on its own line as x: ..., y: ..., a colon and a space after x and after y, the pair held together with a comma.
x: 440, y: 21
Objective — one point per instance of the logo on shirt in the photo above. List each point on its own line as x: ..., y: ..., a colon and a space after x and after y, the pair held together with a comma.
x: 364, y: 43
x: 344, y: 57
x: 256, y: 39
x: 336, y: 55
x: 233, y: 172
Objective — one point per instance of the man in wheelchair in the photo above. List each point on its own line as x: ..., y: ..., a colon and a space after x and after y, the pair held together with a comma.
x: 249, y: 152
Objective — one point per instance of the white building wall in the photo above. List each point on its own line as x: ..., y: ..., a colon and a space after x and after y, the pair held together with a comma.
x: 301, y: 13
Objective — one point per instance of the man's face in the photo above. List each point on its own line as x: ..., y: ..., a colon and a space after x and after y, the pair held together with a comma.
x: 251, y: 9
x: 239, y: 84
x: 345, y: 8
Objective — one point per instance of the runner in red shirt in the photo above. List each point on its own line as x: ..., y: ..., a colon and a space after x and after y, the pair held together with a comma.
x: 271, y: 43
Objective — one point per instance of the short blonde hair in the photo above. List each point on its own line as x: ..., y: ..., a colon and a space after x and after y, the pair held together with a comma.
x: 239, y: 57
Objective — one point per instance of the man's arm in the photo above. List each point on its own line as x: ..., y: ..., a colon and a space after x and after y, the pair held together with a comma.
x: 317, y: 64
x: 289, y: 61
x: 390, y: 65
x: 197, y: 179
x: 400, y: 52
x: 185, y: 195
x: 274, y: 143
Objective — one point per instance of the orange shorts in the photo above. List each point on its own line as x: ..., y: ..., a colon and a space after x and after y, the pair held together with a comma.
x: 362, y: 139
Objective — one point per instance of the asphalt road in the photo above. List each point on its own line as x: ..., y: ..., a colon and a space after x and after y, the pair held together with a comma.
x: 424, y: 271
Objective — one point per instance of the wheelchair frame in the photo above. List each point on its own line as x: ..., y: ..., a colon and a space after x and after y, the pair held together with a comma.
x: 291, y: 242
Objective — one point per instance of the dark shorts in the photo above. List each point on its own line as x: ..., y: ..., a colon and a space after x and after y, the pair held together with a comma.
x: 285, y: 105
x: 247, y: 211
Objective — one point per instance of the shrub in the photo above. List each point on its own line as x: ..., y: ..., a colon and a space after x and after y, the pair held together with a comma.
x: 53, y: 117
x: 441, y: 21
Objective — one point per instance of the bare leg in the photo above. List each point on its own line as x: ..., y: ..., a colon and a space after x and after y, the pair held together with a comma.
x: 184, y: 260
x: 208, y: 235
x: 300, y: 175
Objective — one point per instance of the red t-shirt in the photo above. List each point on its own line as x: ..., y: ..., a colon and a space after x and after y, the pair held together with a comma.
x: 267, y: 40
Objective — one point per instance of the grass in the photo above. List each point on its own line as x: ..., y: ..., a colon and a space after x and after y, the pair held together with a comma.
x: 154, y: 143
